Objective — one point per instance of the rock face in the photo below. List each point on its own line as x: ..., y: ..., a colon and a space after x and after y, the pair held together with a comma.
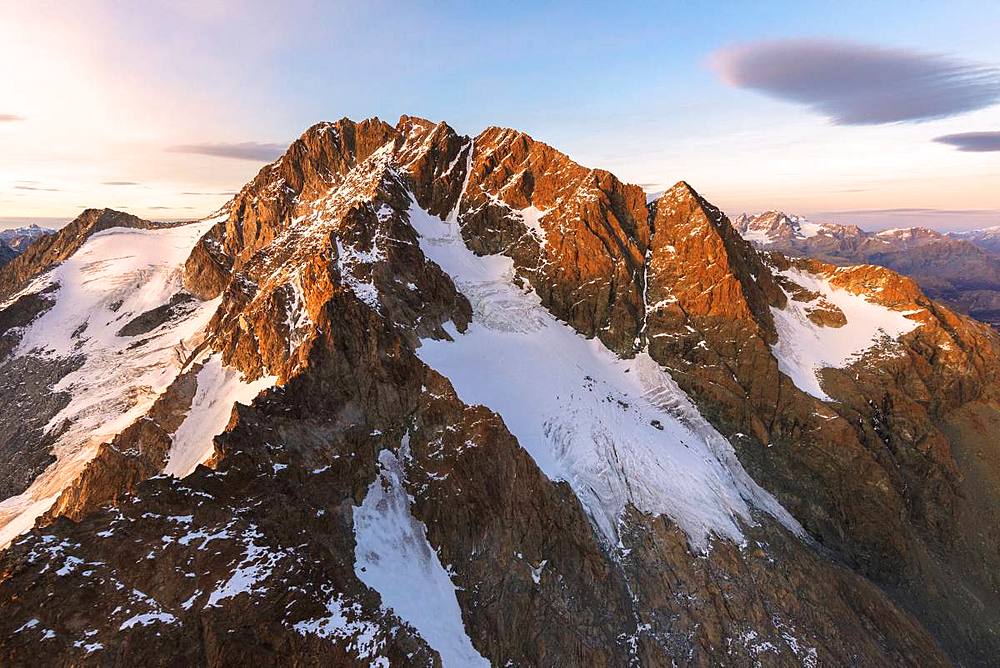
x: 688, y: 451
x: 959, y: 269
x: 6, y: 253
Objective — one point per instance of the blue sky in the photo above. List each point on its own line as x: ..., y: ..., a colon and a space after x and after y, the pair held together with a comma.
x: 110, y: 98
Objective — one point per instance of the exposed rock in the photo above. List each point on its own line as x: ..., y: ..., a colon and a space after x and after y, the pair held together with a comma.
x: 154, y: 317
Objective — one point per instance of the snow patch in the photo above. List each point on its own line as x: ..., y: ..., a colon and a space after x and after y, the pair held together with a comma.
x: 393, y: 557
x: 804, y: 348
x: 344, y: 622
x: 256, y: 566
x: 532, y: 217
x: 219, y: 389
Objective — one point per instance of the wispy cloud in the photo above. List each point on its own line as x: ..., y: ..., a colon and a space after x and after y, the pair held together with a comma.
x: 10, y: 118
x: 34, y: 185
x: 972, y: 141
x: 249, y: 150
x: 120, y: 183
x: 859, y: 84
x: 907, y: 211
x: 220, y: 194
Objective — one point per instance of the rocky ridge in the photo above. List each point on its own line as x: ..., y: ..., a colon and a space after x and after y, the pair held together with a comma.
x: 340, y: 269
x: 954, y: 268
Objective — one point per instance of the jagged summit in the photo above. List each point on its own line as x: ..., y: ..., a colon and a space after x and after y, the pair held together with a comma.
x: 416, y: 396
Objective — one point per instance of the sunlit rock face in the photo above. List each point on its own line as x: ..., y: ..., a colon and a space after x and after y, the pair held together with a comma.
x: 415, y: 398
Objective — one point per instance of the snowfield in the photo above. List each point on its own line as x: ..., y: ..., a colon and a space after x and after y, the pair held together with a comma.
x: 115, y: 276
x: 219, y: 389
x: 393, y: 557
x: 804, y: 348
x: 620, y: 431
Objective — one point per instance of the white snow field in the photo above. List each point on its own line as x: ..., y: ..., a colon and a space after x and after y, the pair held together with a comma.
x: 620, y: 431
x: 803, y: 347
x: 116, y: 275
x: 219, y: 389
x: 393, y: 557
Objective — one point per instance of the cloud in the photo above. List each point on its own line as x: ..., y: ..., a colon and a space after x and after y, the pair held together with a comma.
x: 10, y: 118
x: 249, y: 150
x: 858, y: 84
x: 972, y: 141
x: 221, y: 194
x: 120, y: 183
x: 33, y: 185
x: 170, y: 208
x: 908, y: 211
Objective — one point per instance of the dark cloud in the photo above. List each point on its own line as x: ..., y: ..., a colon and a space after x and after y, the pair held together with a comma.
x: 972, y: 141
x: 120, y: 183
x: 10, y: 118
x: 249, y: 150
x: 857, y: 84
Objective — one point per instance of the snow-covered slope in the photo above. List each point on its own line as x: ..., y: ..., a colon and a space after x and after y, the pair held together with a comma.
x: 620, y: 431
x: 393, y: 557
x: 117, y: 275
x: 805, y: 347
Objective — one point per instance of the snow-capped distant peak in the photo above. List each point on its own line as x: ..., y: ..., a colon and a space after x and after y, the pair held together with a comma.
x: 772, y: 226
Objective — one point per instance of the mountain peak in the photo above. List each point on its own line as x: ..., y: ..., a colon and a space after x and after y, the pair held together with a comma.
x: 402, y: 361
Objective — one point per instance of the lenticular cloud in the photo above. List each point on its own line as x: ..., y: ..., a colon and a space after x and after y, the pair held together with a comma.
x: 857, y: 84
x: 975, y: 142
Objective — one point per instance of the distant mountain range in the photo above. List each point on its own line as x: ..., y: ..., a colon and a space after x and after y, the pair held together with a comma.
x: 959, y: 268
x: 13, y: 242
x: 987, y: 238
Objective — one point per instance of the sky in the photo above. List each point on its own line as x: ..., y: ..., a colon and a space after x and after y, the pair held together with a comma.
x: 884, y: 114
